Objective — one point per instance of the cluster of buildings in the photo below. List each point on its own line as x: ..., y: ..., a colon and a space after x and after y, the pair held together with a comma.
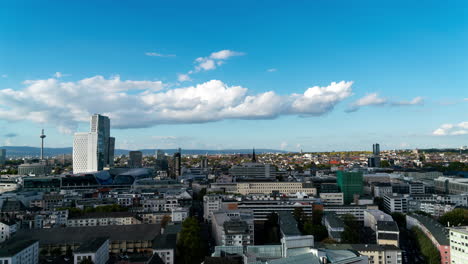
x: 129, y: 209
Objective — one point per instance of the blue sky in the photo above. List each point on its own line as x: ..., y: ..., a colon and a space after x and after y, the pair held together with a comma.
x: 408, y: 64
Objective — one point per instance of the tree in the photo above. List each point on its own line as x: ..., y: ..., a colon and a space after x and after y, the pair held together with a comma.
x: 400, y: 219
x: 428, y: 250
x: 351, y: 230
x: 456, y: 217
x: 165, y: 220
x: 318, y: 231
x: 384, y: 164
x: 272, y: 235
x: 190, y: 244
x: 299, y: 215
x: 86, y: 261
x: 56, y: 252
x: 317, y: 216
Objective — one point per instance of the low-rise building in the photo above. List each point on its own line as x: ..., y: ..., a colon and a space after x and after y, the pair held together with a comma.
x: 437, y: 233
x: 19, y: 251
x: 383, y: 254
x: 280, y: 187
x: 7, y: 229
x: 233, y: 228
x: 97, y: 251
x: 103, y: 219
x: 334, y: 225
x: 332, y: 198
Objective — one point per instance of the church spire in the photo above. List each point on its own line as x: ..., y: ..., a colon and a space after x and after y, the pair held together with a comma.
x: 254, y: 158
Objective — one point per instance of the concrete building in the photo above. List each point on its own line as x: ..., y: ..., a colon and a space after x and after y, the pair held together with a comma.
x: 332, y: 198
x: 459, y: 245
x: 34, y: 169
x: 377, y: 254
x: 356, y: 210
x: 94, y: 150
x: 7, y: 229
x: 386, y: 230
x: 253, y: 170
x: 233, y: 228
x: 334, y: 225
x: 103, y: 219
x: 122, y: 238
x: 20, y: 252
x: 451, y: 185
x: 396, y: 203
x: 8, y: 185
x: 280, y: 187
x: 135, y: 159
x: 211, y: 203
x: 437, y: 233
x: 97, y: 250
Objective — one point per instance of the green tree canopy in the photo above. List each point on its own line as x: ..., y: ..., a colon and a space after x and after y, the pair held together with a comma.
x: 456, y: 217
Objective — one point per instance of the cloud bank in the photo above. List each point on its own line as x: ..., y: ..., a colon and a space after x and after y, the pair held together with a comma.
x: 138, y: 104
x: 374, y: 99
x: 452, y: 129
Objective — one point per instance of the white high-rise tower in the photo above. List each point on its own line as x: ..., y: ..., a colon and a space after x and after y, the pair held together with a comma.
x: 94, y: 150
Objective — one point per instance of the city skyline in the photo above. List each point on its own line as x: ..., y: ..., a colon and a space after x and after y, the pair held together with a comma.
x: 287, y: 76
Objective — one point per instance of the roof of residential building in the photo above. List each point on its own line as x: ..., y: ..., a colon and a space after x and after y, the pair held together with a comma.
x: 288, y: 224
x: 104, y: 215
x: 84, y: 234
x: 438, y: 231
x: 387, y: 226
x: 14, y: 246
x: 92, y: 246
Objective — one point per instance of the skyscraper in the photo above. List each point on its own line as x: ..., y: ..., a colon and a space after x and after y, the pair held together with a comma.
x: 376, y: 149
x: 94, y: 150
x: 374, y: 161
x: 178, y: 164
x: 2, y: 157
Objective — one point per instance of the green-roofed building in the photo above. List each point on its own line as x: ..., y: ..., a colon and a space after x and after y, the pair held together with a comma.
x: 350, y: 183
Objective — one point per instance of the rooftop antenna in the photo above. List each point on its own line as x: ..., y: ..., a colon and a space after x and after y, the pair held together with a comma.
x: 42, y: 136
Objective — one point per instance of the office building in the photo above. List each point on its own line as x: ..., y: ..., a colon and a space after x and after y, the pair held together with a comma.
x: 451, y: 185
x: 459, y: 245
x: 396, y: 203
x: 253, y: 170
x: 350, y: 183
x: 374, y: 160
x: 97, y: 251
x: 19, y: 251
x: 94, y: 150
x: 135, y: 159
x: 2, y: 157
x: 281, y: 187
x: 376, y: 149
x: 34, y: 169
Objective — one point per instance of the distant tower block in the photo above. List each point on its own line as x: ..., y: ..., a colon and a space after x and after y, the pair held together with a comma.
x: 42, y: 136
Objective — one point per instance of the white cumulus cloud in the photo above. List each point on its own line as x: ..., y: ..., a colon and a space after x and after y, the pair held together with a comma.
x: 137, y: 104
x: 210, y: 62
x: 452, y: 129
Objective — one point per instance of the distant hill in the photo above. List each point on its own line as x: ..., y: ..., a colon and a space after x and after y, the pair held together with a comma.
x: 20, y: 151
